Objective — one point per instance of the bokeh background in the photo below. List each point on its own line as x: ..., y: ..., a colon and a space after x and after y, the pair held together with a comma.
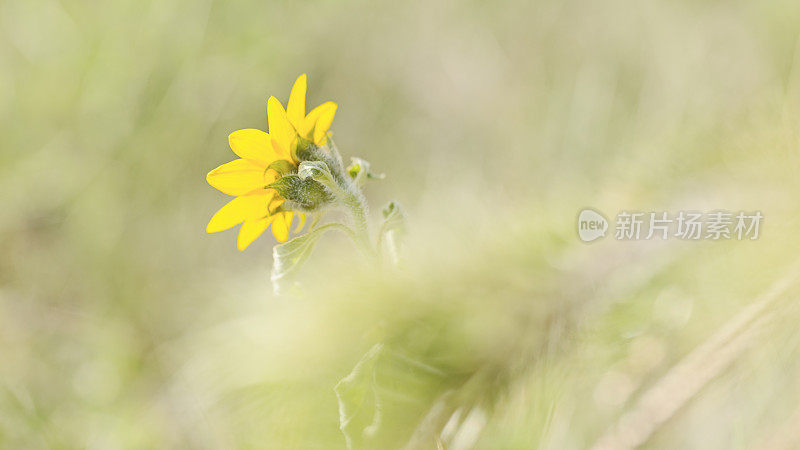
x: 124, y: 325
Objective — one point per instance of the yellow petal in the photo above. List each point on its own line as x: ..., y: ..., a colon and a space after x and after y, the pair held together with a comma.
x: 302, y: 222
x: 281, y: 224
x: 238, y: 177
x: 238, y: 210
x: 280, y: 150
x: 327, y: 108
x: 296, y: 108
x: 254, y: 145
x: 251, y: 229
x: 323, y: 123
x: 279, y: 127
x: 275, y: 203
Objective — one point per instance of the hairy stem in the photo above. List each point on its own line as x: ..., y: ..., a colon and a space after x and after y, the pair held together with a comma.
x: 357, y: 205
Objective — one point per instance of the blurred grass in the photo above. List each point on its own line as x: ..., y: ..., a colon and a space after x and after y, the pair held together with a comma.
x: 123, y: 325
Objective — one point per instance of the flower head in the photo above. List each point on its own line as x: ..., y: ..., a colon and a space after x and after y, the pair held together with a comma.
x: 263, y: 159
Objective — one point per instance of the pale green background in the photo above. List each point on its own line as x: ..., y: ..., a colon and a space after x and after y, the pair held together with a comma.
x: 123, y: 325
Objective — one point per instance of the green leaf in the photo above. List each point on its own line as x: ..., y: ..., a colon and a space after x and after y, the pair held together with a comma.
x: 290, y: 256
x: 359, y: 405
x: 385, y: 386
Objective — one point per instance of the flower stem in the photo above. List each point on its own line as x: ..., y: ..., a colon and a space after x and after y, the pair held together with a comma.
x: 357, y: 204
x: 329, y: 171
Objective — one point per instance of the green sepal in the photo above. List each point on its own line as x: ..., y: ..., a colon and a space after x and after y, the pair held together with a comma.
x: 303, y: 147
x: 287, y: 187
x: 306, y: 150
x: 319, y: 172
x: 282, y: 166
x: 307, y: 193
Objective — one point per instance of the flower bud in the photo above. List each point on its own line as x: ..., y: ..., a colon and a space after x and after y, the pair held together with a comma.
x: 306, y: 193
x: 359, y: 171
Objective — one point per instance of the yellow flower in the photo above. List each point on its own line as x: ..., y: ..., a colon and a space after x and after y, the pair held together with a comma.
x: 313, y: 126
x: 247, y: 178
